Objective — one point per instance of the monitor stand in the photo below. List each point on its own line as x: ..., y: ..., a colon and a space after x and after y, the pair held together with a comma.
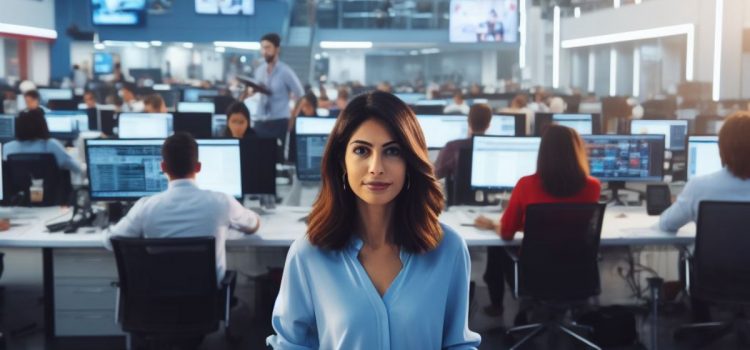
x: 614, y: 188
x: 302, y: 191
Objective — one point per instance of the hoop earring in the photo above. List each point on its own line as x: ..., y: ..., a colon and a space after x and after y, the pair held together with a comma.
x: 343, y: 180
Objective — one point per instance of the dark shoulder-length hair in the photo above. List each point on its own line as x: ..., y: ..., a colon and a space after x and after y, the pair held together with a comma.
x: 334, y: 213
x: 31, y: 125
x: 562, y: 163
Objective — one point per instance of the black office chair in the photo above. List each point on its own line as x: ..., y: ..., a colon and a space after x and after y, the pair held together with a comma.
x: 718, y: 272
x: 168, y: 292
x: 23, y: 167
x: 458, y: 184
x: 558, y: 266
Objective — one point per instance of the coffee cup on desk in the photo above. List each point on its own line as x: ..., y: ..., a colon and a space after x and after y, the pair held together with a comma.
x: 36, y: 191
x: 4, y: 224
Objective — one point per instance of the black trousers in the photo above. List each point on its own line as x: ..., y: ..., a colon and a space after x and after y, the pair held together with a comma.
x: 499, y: 270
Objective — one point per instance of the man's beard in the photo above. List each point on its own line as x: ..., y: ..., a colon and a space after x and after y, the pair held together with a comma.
x: 269, y: 59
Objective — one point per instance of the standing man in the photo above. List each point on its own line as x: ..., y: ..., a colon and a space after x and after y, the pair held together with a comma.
x: 272, y: 119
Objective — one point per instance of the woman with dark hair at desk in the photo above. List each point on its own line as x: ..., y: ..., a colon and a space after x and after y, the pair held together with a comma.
x: 562, y: 176
x: 238, y: 122
x: 376, y: 270
x: 32, y: 136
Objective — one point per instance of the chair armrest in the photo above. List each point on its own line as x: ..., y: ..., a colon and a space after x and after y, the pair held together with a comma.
x: 116, y: 285
x: 514, y: 257
x: 229, y: 278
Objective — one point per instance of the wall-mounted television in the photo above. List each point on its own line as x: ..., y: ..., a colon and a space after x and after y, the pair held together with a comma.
x: 118, y: 12
x: 225, y: 7
x: 475, y: 21
x: 103, y: 63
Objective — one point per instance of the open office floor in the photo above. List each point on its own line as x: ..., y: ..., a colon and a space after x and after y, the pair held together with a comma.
x: 21, y: 302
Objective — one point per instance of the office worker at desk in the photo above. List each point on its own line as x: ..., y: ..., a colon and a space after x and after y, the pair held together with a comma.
x: 184, y: 210
x: 376, y: 269
x: 238, y: 122
x: 32, y: 136
x: 562, y: 176
x: 731, y: 183
x: 479, y: 119
x: 154, y: 103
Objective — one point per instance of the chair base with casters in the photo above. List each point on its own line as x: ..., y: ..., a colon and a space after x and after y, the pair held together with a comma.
x: 711, y: 332
x: 554, y: 324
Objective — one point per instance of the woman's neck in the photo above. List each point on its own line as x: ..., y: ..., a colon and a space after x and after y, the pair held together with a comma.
x: 375, y: 224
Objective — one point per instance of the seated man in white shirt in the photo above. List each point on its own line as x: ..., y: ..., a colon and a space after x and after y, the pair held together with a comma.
x: 732, y: 183
x: 459, y: 105
x: 184, y: 210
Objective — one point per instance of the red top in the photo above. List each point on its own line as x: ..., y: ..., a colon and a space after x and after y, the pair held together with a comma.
x: 529, y: 190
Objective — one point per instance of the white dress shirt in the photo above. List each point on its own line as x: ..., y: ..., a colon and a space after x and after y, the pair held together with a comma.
x: 719, y: 186
x: 184, y: 210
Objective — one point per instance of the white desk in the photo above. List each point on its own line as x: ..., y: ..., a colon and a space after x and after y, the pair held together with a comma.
x: 79, y: 299
x: 623, y: 226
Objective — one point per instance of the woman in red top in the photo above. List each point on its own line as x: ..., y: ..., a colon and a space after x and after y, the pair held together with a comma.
x: 562, y: 176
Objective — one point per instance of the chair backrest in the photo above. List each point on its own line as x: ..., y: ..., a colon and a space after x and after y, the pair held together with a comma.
x: 168, y: 285
x: 559, y: 253
x: 458, y: 185
x: 23, y: 167
x: 721, y: 260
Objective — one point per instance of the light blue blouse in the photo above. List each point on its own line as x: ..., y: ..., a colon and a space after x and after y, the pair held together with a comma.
x: 64, y: 160
x: 327, y: 300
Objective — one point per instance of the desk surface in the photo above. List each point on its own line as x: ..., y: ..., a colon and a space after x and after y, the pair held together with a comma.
x: 623, y: 226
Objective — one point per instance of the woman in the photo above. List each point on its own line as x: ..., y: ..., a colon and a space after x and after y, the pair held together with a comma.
x: 376, y: 270
x: 238, y: 122
x: 32, y: 136
x: 562, y: 176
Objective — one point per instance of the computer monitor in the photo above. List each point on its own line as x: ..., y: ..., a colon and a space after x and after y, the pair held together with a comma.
x: 46, y: 94
x: 498, y: 162
x: 131, y: 169
x: 703, y: 156
x: 259, y: 165
x: 626, y: 158
x: 507, y: 125
x: 410, y: 98
x: 2, y: 190
x: 219, y: 125
x: 195, y: 95
x: 7, y: 128
x: 314, y: 125
x: 441, y: 129
x: 197, y: 124
x: 144, y: 125
x: 80, y: 118
x: 584, y: 124
x: 107, y: 121
x: 674, y: 131
x: 196, y: 107
x: 170, y: 97
x: 309, y: 154
x: 62, y: 105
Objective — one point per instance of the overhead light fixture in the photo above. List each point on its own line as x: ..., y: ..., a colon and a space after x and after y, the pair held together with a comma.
x: 156, y: 43
x: 718, y: 37
x: 99, y: 46
x: 241, y: 45
x: 617, y: 4
x: 636, y: 71
x: 141, y: 44
x: 429, y: 51
x: 115, y: 43
x: 187, y: 45
x: 346, y: 44
x: 414, y: 52
x: 556, y: 49
x: 522, y: 36
x: 613, y: 72
x: 220, y: 49
x: 21, y: 30
x: 592, y: 71
x: 577, y: 12
x: 644, y: 34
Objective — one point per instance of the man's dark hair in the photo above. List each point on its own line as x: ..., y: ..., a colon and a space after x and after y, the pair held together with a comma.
x: 31, y: 125
x: 33, y: 94
x: 128, y: 86
x: 180, y: 154
x: 273, y: 38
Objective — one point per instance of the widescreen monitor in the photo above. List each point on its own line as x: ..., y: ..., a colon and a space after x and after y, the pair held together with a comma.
x: 498, y: 162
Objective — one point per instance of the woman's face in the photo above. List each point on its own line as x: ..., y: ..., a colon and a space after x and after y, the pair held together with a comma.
x: 375, y: 167
x: 237, y: 124
x: 306, y: 108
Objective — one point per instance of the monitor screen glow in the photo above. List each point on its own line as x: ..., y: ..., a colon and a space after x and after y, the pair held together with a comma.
x: 499, y: 162
x: 144, y: 125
